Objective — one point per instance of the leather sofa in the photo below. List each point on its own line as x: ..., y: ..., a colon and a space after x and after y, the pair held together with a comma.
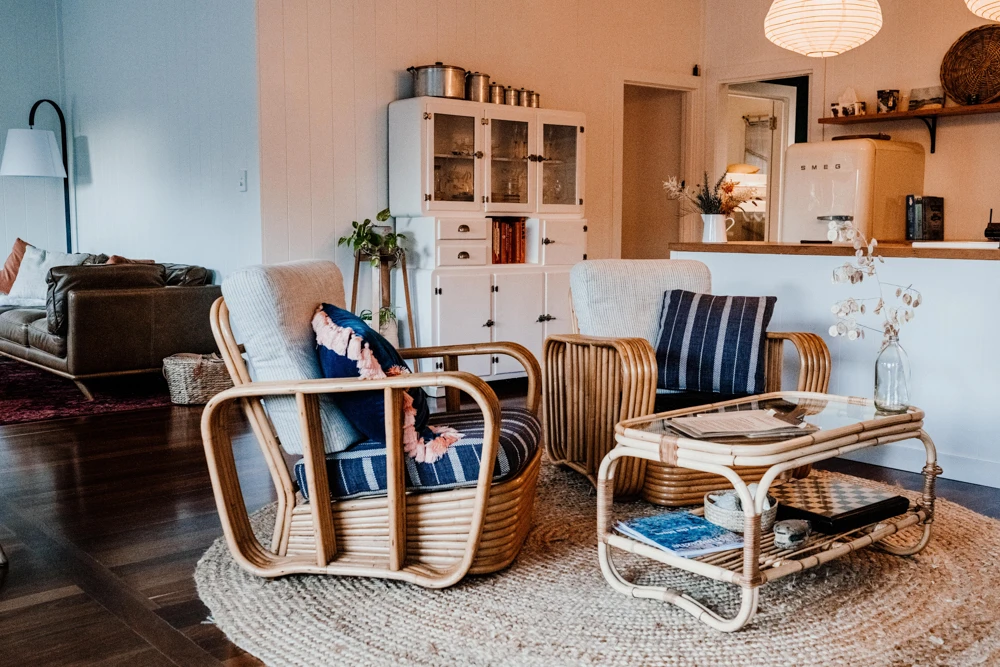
x: 110, y: 320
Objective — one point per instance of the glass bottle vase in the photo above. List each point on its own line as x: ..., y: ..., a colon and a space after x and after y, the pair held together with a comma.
x: 892, y: 378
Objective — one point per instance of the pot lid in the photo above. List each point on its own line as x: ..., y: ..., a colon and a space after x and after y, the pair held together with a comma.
x: 477, y: 74
x: 437, y: 65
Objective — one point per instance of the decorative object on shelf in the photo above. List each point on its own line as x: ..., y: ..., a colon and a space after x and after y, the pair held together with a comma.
x: 987, y: 9
x: 835, y: 109
x: 791, y: 533
x: 822, y: 28
x: 723, y: 508
x: 438, y: 80
x: 931, y: 97
x: 510, y: 96
x: 892, y: 367
x: 837, y: 226
x: 195, y: 378
x: 968, y: 71
x: 992, y: 231
x: 715, y: 203
x: 888, y: 101
x: 496, y: 93
x: 477, y: 87
x: 382, y: 248
x: 34, y: 152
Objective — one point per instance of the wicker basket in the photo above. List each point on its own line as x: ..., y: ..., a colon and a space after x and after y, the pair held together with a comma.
x: 733, y: 519
x: 195, y: 378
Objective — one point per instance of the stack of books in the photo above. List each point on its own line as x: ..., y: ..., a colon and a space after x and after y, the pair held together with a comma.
x: 924, y: 218
x: 739, y: 424
x: 681, y: 534
x: 509, y: 241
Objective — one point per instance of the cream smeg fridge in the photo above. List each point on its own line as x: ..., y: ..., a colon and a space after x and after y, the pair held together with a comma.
x: 865, y: 178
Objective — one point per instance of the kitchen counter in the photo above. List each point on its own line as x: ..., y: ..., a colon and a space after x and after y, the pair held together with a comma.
x: 955, y: 369
x: 887, y: 249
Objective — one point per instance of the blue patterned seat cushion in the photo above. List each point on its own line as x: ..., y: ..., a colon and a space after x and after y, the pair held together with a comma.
x: 712, y: 344
x: 360, y: 470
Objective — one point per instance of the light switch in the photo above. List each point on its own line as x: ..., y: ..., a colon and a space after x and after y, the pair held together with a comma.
x: 243, y: 180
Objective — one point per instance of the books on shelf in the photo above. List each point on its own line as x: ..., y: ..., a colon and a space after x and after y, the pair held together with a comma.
x: 509, y: 241
x: 739, y: 424
x: 924, y: 218
x: 681, y: 534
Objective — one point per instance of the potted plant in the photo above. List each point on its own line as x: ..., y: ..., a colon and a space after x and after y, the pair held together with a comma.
x: 382, y: 248
x: 715, y: 203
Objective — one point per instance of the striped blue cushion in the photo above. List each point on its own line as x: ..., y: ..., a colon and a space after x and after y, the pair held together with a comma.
x: 712, y: 343
x: 360, y: 470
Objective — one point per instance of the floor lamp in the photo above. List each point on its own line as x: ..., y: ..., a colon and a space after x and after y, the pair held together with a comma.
x: 34, y: 152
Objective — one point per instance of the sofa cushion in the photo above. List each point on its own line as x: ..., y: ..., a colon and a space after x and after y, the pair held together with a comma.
x: 64, y: 279
x: 40, y: 339
x: 9, y: 272
x: 360, y: 471
x: 621, y: 297
x: 183, y: 275
x: 31, y: 275
x: 14, y: 324
x: 711, y: 343
x: 271, y: 310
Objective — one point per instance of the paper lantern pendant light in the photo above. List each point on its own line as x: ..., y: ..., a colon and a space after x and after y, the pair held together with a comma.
x: 823, y: 28
x: 987, y: 9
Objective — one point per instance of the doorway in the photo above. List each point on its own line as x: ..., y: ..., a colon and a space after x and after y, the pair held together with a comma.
x: 652, y: 131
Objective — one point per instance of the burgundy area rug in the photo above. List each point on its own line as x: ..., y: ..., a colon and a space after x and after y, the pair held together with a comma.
x: 28, y: 394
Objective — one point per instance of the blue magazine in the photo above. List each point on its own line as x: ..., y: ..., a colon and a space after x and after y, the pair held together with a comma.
x: 680, y: 533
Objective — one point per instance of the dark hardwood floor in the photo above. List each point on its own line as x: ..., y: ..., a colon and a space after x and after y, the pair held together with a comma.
x: 103, y: 519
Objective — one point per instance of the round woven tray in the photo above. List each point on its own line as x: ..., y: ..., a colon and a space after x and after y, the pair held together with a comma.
x: 970, y: 71
x: 733, y: 520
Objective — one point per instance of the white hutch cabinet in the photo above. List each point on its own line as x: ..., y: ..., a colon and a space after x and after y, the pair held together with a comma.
x: 453, y: 167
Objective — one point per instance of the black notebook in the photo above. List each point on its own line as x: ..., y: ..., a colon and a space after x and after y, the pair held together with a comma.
x: 833, y: 505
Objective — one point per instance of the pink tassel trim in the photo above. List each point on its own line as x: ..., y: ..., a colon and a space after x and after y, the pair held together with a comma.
x: 346, y: 343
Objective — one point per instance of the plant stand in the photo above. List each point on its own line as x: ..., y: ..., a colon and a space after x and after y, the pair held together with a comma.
x: 385, y: 284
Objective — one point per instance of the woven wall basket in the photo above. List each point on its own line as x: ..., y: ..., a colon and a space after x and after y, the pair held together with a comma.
x: 970, y: 71
x: 195, y: 378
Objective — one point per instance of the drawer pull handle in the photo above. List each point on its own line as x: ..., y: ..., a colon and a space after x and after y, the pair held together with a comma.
x: 489, y: 323
x: 464, y: 228
x: 547, y: 241
x: 463, y: 255
x: 545, y: 318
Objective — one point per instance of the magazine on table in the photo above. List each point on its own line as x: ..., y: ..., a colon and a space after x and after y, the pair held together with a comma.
x: 681, y: 534
x: 740, y: 423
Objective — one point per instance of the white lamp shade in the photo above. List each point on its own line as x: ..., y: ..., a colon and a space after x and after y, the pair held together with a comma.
x: 987, y: 9
x: 822, y: 28
x: 32, y: 153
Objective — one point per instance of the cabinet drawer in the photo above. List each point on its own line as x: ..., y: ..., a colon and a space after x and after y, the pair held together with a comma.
x: 460, y: 230
x: 563, y: 242
x: 462, y: 254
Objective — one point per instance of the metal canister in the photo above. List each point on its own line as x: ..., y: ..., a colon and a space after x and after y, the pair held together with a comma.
x: 477, y: 86
x: 524, y: 97
x: 510, y: 96
x: 496, y: 93
x: 535, y: 100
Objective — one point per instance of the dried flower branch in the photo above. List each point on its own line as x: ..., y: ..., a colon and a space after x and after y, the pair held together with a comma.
x: 865, y: 265
x: 724, y: 198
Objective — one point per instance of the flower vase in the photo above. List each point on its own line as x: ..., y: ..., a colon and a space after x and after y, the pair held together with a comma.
x: 892, y: 378
x: 715, y: 229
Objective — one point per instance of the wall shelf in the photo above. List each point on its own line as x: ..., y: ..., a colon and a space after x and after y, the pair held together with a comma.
x: 928, y: 116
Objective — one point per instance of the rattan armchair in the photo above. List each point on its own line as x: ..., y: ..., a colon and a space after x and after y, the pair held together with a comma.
x: 590, y: 383
x: 432, y: 539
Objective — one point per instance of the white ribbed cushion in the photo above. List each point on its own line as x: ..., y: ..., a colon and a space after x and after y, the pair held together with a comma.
x: 620, y: 298
x: 271, y: 309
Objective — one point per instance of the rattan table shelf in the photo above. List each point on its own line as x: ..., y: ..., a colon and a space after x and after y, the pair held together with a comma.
x: 846, y: 424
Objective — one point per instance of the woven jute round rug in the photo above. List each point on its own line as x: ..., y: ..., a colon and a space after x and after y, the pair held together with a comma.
x: 553, y: 607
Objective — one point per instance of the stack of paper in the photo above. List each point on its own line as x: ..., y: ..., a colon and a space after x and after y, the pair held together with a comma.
x: 742, y: 423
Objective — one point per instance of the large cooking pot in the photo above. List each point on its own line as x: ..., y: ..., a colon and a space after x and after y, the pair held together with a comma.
x: 438, y: 80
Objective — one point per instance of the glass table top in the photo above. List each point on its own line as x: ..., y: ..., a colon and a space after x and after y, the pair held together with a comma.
x: 824, y: 412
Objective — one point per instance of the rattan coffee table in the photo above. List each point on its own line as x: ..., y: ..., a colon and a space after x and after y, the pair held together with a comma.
x: 845, y: 425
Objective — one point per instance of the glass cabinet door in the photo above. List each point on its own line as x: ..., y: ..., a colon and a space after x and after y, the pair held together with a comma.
x: 509, y: 171
x: 561, y: 165
x: 456, y: 150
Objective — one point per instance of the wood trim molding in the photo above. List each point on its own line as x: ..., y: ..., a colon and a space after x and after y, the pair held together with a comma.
x: 819, y: 249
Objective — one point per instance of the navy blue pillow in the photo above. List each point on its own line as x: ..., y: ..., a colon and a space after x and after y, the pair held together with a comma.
x: 711, y: 343
x: 349, y: 348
